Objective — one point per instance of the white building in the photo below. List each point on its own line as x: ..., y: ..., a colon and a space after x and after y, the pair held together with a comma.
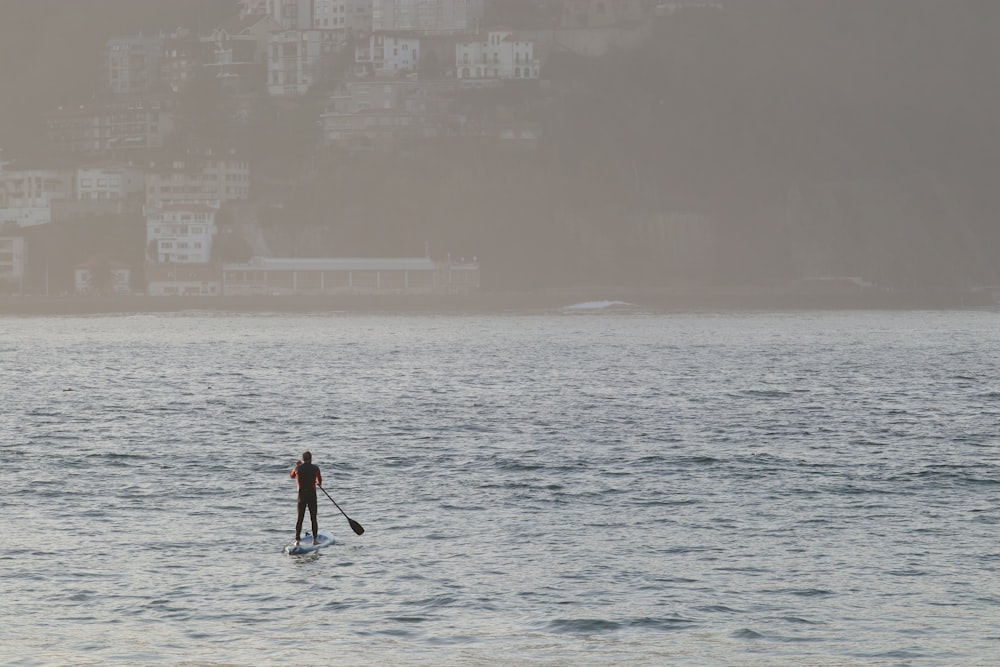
x: 387, y: 54
x: 180, y: 233
x: 501, y: 56
x: 427, y: 16
x: 26, y: 194
x: 296, y: 59
x: 109, y: 181
x: 206, y: 177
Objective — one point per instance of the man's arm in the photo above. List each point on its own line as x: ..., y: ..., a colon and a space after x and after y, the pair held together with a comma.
x: 295, y: 470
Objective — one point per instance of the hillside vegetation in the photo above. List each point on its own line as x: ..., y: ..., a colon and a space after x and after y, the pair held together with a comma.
x: 760, y: 143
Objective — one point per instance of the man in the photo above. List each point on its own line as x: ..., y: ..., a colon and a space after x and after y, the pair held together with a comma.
x: 308, y: 477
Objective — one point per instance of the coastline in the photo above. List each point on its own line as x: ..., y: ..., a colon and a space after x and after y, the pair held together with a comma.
x: 699, y: 299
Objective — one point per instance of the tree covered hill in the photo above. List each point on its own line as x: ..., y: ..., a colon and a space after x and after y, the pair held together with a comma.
x: 760, y: 142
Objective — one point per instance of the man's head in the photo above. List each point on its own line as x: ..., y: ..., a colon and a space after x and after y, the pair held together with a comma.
x: 307, y: 457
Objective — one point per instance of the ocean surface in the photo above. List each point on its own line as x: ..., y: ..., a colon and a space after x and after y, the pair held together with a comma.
x: 578, y: 487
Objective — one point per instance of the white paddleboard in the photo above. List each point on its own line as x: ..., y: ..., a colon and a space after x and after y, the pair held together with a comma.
x: 306, y: 545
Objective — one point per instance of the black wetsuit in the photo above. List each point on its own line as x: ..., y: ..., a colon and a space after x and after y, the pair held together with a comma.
x: 307, y: 474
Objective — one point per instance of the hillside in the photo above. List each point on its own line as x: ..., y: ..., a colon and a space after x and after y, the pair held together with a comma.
x: 757, y: 143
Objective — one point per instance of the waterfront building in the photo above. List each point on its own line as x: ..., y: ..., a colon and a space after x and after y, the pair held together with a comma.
x: 354, y: 275
x: 183, y: 280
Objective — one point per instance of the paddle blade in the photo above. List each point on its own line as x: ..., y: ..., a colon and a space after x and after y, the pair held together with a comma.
x: 356, y: 527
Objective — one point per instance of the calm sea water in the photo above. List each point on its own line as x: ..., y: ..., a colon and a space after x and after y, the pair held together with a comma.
x: 549, y: 489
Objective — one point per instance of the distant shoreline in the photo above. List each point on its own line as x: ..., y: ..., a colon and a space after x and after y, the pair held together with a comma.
x: 701, y: 299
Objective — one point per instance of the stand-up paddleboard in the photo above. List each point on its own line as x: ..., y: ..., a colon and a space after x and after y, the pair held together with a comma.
x: 306, y: 545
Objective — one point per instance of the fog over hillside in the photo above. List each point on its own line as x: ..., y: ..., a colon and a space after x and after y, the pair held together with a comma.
x: 752, y: 142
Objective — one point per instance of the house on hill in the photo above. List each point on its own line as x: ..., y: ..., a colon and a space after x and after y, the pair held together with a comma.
x: 501, y: 56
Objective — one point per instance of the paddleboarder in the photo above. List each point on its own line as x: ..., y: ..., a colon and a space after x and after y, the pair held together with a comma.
x: 308, y: 476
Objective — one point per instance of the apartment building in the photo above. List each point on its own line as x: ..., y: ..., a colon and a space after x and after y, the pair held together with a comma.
x: 109, y: 181
x: 501, y: 56
x: 296, y: 59
x: 180, y: 233
x: 235, y: 52
x: 132, y: 64
x: 120, y: 123
x: 180, y: 62
x: 206, y: 177
x: 427, y: 16
x: 386, y: 54
x: 352, y: 16
x: 27, y: 193
x: 289, y: 14
x: 381, y: 113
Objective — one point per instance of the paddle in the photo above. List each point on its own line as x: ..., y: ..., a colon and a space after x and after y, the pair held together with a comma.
x: 355, y: 526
